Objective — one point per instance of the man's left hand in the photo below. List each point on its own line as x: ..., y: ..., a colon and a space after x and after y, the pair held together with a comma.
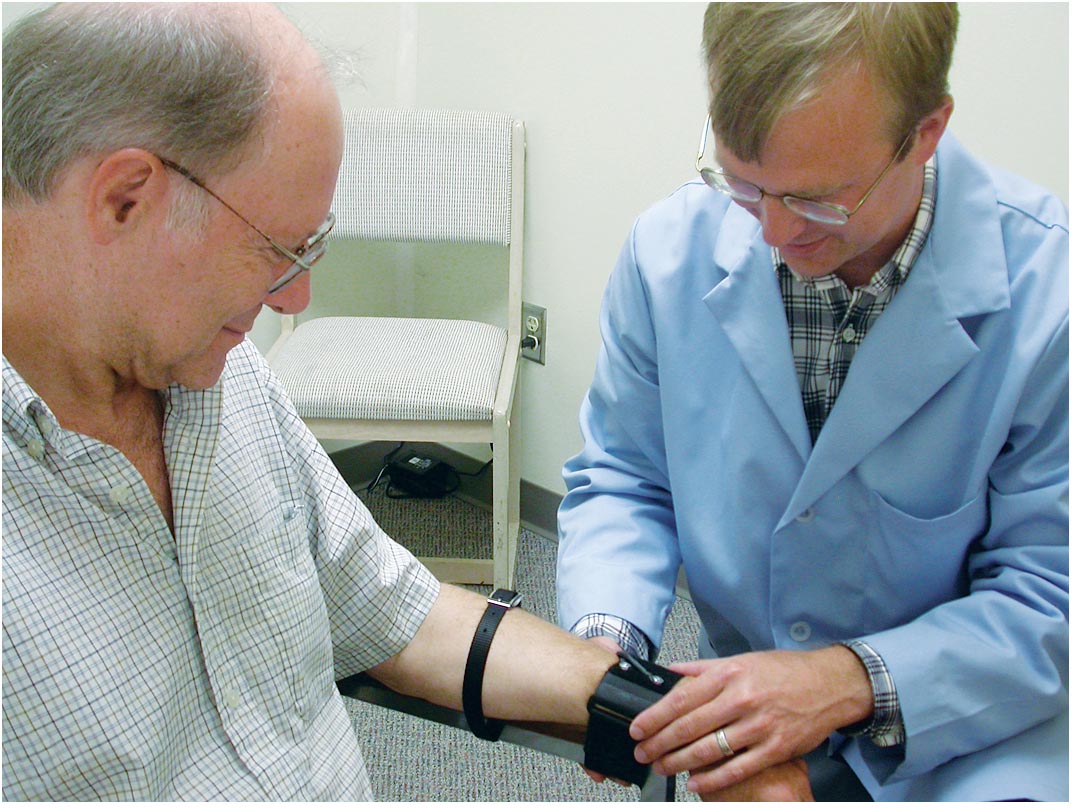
x: 771, y: 706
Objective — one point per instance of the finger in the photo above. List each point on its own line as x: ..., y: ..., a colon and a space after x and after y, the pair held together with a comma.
x: 786, y: 782
x: 689, y: 728
x: 686, y: 696
x: 602, y: 778
x: 705, y: 751
x: 692, y: 667
x: 726, y: 795
x: 732, y: 770
x: 727, y: 774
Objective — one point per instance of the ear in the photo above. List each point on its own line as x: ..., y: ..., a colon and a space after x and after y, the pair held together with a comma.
x: 126, y: 189
x: 931, y: 129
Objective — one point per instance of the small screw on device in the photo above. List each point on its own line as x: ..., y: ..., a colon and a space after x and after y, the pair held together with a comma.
x: 627, y: 660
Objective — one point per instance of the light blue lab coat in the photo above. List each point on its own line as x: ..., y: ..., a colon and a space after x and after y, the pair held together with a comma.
x: 931, y: 516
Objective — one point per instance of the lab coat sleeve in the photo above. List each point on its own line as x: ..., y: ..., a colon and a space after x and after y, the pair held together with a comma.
x: 618, y: 549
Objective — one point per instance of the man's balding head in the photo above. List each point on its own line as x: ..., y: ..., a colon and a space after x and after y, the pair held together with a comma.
x: 194, y: 82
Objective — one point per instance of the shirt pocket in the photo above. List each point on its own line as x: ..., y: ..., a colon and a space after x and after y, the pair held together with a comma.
x: 269, y: 602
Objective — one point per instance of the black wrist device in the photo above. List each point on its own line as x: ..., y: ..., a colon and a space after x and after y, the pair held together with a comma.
x: 500, y: 602
x: 627, y: 689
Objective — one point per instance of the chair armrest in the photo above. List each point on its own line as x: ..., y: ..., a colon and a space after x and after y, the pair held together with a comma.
x: 551, y: 739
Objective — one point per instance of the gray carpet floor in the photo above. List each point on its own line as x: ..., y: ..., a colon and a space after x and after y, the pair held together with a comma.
x: 413, y: 760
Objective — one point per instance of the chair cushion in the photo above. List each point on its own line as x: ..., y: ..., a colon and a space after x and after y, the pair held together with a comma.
x: 392, y: 368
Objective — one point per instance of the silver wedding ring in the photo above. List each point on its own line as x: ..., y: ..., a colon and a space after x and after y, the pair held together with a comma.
x: 723, y: 744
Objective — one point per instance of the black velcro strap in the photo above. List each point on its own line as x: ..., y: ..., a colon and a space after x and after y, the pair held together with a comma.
x: 627, y: 689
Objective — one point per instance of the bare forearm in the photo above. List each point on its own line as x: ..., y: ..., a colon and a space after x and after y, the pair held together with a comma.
x: 535, y: 671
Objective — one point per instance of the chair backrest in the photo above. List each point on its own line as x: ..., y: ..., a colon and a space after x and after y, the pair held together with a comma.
x: 433, y: 175
x: 426, y: 175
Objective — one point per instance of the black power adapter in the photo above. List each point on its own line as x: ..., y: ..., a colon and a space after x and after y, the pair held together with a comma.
x: 415, y: 475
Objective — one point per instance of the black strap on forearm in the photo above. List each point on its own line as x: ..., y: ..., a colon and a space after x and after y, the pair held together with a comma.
x: 500, y: 602
x: 627, y: 689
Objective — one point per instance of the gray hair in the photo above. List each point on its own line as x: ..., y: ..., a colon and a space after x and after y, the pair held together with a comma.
x: 82, y: 79
x: 766, y: 59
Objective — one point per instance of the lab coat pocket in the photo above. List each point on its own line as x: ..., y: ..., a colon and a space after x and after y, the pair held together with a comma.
x: 919, y: 562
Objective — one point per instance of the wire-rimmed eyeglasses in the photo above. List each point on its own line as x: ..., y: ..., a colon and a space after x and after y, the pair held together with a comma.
x: 302, y: 259
x: 747, y: 193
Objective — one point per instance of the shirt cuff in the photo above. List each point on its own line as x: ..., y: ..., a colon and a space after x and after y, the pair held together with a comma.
x: 629, y: 637
x: 885, y: 727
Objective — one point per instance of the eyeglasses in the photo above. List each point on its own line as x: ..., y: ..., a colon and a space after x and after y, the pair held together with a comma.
x: 302, y: 259
x: 746, y: 193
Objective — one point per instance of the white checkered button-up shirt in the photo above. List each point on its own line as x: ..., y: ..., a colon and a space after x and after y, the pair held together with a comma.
x: 138, y: 665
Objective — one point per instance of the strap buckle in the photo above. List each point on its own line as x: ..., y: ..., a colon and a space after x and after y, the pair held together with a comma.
x: 506, y: 598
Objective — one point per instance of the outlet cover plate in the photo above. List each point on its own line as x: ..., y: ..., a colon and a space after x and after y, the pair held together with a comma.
x: 534, y: 324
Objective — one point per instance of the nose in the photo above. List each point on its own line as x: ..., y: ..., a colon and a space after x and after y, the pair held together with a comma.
x: 780, y: 225
x: 292, y: 298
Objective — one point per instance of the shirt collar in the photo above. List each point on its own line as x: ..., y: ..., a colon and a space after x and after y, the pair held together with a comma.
x: 26, y: 415
x: 29, y: 420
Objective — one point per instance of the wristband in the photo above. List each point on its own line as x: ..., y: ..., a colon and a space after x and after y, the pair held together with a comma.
x: 500, y: 602
x: 627, y: 689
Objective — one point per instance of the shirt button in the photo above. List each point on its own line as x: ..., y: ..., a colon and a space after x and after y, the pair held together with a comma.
x: 231, y: 698
x: 119, y: 495
x: 806, y: 515
x: 800, y: 632
x: 849, y: 334
x: 35, y: 449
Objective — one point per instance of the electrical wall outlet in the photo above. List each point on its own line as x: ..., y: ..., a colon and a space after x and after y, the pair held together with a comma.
x: 533, y: 332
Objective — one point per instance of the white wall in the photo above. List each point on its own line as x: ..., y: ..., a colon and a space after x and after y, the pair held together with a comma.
x: 1010, y: 85
x: 613, y: 97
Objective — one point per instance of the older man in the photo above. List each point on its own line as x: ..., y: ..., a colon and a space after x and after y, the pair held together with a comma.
x: 833, y: 387
x: 185, y: 574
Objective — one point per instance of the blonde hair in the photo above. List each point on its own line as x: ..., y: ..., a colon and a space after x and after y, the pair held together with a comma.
x: 765, y: 59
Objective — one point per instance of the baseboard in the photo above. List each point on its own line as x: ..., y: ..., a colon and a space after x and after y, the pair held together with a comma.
x: 539, y: 509
x: 360, y: 464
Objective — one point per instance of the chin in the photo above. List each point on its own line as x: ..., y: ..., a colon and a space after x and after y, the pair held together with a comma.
x: 823, y: 263
x: 201, y: 376
x: 203, y: 371
x: 812, y: 269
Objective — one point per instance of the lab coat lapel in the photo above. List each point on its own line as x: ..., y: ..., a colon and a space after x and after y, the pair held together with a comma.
x: 918, y: 344
x: 912, y: 350
x: 748, y: 305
